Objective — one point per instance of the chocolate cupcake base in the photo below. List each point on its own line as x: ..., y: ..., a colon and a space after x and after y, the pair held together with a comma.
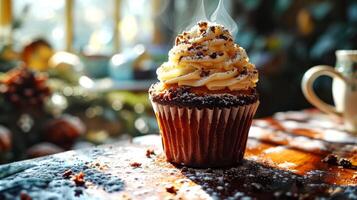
x: 204, y: 137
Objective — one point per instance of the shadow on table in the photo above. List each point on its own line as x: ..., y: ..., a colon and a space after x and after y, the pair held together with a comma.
x: 257, y: 180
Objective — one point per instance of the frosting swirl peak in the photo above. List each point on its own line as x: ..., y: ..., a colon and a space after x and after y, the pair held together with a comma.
x: 207, y: 56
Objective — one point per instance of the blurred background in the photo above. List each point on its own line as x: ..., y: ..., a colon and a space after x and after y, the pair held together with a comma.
x: 75, y: 73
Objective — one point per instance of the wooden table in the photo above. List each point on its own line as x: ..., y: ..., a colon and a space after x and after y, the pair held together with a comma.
x: 283, y: 160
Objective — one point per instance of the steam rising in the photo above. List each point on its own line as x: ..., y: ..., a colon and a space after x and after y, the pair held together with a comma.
x: 180, y: 23
x: 221, y: 16
x: 200, y: 15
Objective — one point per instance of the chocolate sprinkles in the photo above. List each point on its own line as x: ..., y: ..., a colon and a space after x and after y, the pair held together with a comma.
x: 204, y: 73
x: 200, y: 54
x: 213, y: 55
x: 223, y: 37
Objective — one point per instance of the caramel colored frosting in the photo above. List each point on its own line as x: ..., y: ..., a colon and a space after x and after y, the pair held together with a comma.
x: 207, y: 56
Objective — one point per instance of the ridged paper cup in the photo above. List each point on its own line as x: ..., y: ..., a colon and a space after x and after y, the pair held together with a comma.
x: 204, y: 137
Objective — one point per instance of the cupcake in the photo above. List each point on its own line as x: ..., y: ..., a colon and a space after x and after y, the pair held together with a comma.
x: 205, y: 99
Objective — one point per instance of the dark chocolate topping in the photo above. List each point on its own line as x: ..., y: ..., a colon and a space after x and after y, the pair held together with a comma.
x: 184, y: 97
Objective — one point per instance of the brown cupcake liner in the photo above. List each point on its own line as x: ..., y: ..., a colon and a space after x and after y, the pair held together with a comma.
x: 204, y: 137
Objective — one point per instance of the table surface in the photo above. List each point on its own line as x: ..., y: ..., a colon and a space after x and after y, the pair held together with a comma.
x: 283, y: 160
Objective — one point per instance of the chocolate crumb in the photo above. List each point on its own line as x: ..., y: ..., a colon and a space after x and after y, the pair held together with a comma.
x: 213, y: 29
x: 200, y: 54
x: 177, y: 41
x: 203, y: 31
x: 79, y: 179
x: 220, y: 53
x: 67, y: 174
x: 78, y: 192
x: 244, y: 71
x: 135, y: 164
x: 345, y: 163
x: 149, y: 153
x: 330, y: 159
x: 222, y: 37
x: 334, y: 160
x: 25, y: 196
x: 171, y: 190
x: 213, y: 55
x: 202, y: 24
x: 204, y: 73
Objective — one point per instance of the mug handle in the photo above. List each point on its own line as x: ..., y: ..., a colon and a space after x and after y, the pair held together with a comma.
x: 307, y: 87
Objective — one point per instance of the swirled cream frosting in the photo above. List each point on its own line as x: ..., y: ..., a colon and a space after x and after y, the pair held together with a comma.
x: 207, y: 56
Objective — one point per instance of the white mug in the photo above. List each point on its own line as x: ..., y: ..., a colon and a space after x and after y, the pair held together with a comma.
x: 344, y: 88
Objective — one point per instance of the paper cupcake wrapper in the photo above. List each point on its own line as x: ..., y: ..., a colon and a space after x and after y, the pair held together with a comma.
x: 204, y: 137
